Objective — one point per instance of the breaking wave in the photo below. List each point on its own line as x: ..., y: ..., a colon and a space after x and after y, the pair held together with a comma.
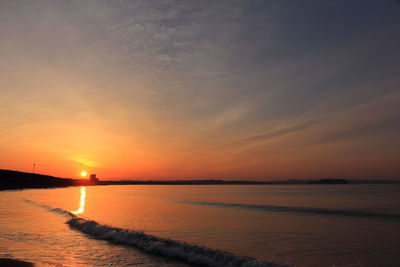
x: 190, y: 253
x: 301, y: 210
x: 166, y: 247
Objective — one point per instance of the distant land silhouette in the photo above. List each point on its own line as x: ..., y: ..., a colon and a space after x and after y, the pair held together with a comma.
x: 10, y: 180
x: 330, y: 181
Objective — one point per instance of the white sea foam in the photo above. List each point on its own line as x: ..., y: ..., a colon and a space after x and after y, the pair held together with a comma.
x: 166, y: 247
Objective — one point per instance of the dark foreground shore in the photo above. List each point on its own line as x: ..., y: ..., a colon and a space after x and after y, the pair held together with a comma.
x: 15, y: 263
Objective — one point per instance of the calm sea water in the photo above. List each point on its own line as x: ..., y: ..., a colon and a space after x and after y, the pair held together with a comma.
x: 300, y: 225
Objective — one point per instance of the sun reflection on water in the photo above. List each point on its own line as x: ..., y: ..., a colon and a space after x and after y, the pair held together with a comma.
x: 82, y: 201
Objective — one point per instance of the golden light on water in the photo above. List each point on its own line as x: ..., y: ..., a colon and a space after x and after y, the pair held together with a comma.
x: 81, y: 201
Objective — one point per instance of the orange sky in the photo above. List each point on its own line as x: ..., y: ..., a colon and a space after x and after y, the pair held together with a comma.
x: 229, y: 91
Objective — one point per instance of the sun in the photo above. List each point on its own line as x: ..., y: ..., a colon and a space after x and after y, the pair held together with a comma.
x: 83, y: 173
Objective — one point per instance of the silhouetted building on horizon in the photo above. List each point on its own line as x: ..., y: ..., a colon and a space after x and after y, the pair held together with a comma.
x: 93, y: 178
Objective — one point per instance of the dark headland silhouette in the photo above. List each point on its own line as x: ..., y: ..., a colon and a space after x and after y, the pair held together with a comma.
x: 19, y: 180
x: 10, y: 180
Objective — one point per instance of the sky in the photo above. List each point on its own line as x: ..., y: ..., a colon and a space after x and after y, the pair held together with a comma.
x: 252, y: 89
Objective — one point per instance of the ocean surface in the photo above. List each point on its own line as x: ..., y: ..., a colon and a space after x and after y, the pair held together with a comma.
x: 210, y: 225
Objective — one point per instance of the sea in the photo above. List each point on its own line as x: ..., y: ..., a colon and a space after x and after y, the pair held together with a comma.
x: 203, y: 225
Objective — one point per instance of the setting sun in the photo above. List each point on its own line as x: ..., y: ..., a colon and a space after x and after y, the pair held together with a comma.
x: 83, y: 173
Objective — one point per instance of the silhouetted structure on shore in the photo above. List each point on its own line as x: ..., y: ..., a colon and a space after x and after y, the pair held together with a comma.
x: 93, y: 179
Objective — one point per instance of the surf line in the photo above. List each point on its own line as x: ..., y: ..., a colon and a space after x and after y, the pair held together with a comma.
x: 190, y: 253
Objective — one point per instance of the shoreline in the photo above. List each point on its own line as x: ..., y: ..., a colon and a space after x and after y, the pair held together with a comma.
x: 16, y: 180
